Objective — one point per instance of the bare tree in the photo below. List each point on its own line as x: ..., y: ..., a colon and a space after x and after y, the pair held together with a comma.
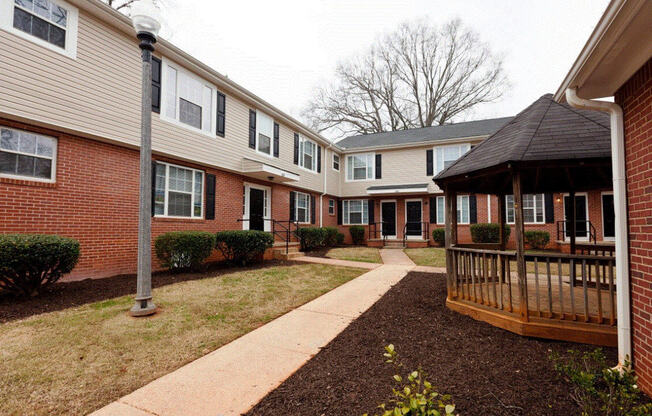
x: 417, y: 76
x: 120, y: 4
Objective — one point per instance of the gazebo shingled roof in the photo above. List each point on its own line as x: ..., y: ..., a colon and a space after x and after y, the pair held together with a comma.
x: 556, y: 148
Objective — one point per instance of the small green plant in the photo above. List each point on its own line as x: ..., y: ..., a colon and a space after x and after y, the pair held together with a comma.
x: 488, y: 233
x: 30, y: 262
x: 357, y: 234
x: 184, y: 250
x: 414, y: 395
x: 599, y: 390
x: 537, y: 239
x: 339, y: 238
x: 241, y: 247
x: 439, y: 236
x: 311, y: 238
x: 330, y: 236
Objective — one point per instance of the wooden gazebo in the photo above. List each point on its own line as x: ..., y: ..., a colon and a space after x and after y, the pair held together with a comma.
x: 548, y: 147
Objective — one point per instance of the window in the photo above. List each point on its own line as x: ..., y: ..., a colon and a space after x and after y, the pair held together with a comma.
x: 27, y: 155
x: 462, y: 209
x: 188, y: 100
x: 331, y: 207
x: 307, y: 154
x: 336, y: 162
x: 441, y: 210
x: 355, y: 212
x: 302, y: 207
x: 50, y: 23
x: 264, y: 133
x: 533, y: 209
x: 447, y: 155
x: 178, y: 192
x: 360, y: 167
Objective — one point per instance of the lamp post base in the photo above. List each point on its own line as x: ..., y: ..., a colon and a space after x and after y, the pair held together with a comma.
x: 143, y: 307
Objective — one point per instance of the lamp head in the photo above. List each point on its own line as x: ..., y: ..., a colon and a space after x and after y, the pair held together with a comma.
x: 146, y: 17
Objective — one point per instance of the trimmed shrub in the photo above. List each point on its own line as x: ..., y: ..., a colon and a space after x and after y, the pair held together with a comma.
x: 488, y: 233
x: 537, y: 239
x: 184, y: 250
x: 439, y: 236
x: 357, y: 234
x: 311, y: 238
x: 339, y: 238
x: 330, y: 236
x: 30, y: 262
x: 241, y: 247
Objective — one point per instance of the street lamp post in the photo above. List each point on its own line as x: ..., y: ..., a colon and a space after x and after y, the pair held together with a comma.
x: 146, y: 20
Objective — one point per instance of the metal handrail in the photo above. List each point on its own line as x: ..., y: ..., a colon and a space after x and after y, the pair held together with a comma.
x: 423, y: 228
x: 285, y: 233
x: 374, y: 233
x: 562, y: 227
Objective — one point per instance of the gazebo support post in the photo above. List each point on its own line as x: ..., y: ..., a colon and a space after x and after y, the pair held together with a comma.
x: 501, y: 235
x: 450, y: 237
x: 520, y: 245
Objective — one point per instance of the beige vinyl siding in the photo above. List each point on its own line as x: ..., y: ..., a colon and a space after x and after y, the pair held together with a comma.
x: 333, y: 185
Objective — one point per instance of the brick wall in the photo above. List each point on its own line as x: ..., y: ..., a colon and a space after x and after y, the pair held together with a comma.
x: 635, y: 97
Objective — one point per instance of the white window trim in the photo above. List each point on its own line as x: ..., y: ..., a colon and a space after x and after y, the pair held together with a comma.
x: 444, y: 210
x: 192, y: 197
x: 301, y: 154
x: 268, y: 205
x: 345, y: 220
x: 535, y: 222
x: 395, y: 216
x: 563, y: 207
x: 269, y: 155
x: 329, y: 207
x: 420, y: 201
x: 435, y: 161
x: 165, y: 63
x: 604, y: 238
x: 308, y: 208
x: 458, y: 208
x: 339, y: 162
x: 53, y: 171
x: 7, y: 24
x: 373, y: 168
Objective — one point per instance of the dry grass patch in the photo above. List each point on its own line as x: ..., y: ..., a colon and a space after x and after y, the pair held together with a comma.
x: 430, y: 256
x: 364, y: 254
x: 77, y: 360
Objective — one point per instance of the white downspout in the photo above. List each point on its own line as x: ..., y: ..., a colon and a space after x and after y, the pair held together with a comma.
x: 623, y: 308
x: 321, y: 197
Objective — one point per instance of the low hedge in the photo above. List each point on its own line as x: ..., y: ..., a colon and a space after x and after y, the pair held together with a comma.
x: 311, y: 238
x: 184, y: 250
x: 488, y: 233
x: 30, y: 262
x: 537, y: 239
x: 241, y: 247
x: 357, y: 234
x: 439, y: 236
x: 332, y: 237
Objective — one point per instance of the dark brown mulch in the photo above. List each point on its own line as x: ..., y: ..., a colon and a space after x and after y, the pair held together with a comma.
x: 487, y: 370
x: 64, y: 295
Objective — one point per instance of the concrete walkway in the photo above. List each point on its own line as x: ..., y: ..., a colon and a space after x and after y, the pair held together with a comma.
x: 233, y: 378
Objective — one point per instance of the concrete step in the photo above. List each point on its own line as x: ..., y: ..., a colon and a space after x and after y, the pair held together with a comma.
x: 282, y: 255
x: 394, y: 245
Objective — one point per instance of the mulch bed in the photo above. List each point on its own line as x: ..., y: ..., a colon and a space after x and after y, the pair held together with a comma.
x: 64, y: 295
x: 488, y: 371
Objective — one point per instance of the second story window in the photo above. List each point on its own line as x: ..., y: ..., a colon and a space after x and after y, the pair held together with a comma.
x: 360, y: 167
x: 264, y: 133
x: 25, y: 155
x: 447, y: 155
x: 188, y: 100
x: 336, y: 162
x: 307, y: 154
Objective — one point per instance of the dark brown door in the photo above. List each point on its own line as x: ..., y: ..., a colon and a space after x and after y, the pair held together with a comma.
x: 389, y: 218
x: 256, y: 209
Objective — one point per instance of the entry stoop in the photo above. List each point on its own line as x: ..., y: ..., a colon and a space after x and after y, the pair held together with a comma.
x: 293, y: 251
x: 394, y: 244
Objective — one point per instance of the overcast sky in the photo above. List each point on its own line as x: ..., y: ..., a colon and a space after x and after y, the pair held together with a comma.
x: 281, y: 50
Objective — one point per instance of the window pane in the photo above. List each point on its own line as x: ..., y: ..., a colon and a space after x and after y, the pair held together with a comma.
x: 345, y: 211
x: 264, y: 143
x: 57, y: 36
x: 355, y: 218
x: 22, y: 20
x: 159, y: 192
x: 207, y: 108
x: 349, y: 167
x: 8, y: 162
x: 45, y: 147
x: 59, y: 15
x: 171, y: 93
x: 198, y: 194
x: 27, y: 143
x: 440, y: 210
x: 28, y: 4
x: 190, y: 113
x: 42, y: 8
x: 40, y: 28
x: 360, y: 173
x: 9, y: 140
x: 179, y: 204
x: 43, y: 168
x: 25, y: 165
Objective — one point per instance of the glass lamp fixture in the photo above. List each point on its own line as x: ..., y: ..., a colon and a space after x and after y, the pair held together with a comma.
x: 146, y: 17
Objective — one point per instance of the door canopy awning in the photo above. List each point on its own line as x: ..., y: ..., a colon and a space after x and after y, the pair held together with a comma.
x: 263, y: 171
x: 398, y: 189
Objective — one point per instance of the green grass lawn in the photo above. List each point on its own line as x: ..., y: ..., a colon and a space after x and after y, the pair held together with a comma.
x: 79, y: 359
x: 364, y: 254
x: 430, y: 256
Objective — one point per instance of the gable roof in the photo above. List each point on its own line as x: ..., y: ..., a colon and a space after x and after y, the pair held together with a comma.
x: 425, y: 134
x: 546, y: 130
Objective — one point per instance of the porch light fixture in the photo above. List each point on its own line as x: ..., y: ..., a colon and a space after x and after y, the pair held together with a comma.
x: 146, y: 19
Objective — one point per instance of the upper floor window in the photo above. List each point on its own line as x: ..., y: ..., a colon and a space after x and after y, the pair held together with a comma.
x: 179, y: 191
x: 336, y: 162
x: 25, y: 155
x: 187, y: 99
x: 50, y: 23
x: 533, y: 209
x: 447, y: 155
x: 264, y: 133
x: 307, y: 154
x: 355, y: 211
x: 360, y: 167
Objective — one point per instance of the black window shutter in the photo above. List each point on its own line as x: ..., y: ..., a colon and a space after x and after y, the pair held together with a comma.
x: 318, y: 158
x: 156, y: 85
x: 429, y: 166
x: 210, y: 197
x: 550, y: 208
x: 379, y: 167
x: 473, y: 209
x: 221, y: 114
x: 293, y: 204
x: 153, y: 187
x: 339, y: 212
x: 252, y: 129
x: 276, y: 139
x: 296, y: 148
x: 433, y: 209
x: 372, y: 218
x: 312, y: 209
